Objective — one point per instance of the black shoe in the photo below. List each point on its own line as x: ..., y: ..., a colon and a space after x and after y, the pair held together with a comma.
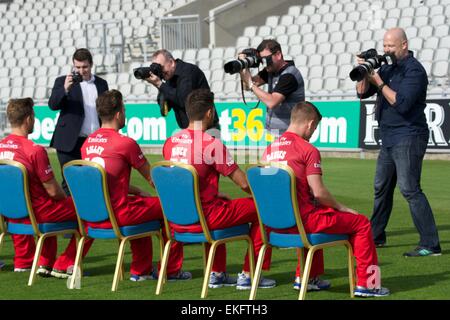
x: 380, y: 244
x: 422, y: 252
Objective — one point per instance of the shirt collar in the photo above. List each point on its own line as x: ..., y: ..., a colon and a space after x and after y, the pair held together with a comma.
x: 177, y: 67
x: 405, y: 59
x: 91, y: 80
x: 289, y: 63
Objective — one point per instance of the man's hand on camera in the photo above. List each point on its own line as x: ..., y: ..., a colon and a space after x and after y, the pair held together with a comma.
x: 154, y: 80
x: 359, y: 60
x: 246, y: 77
x: 68, y: 83
x: 374, y: 78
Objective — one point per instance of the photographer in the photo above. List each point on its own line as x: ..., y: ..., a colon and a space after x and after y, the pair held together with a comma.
x: 402, y: 90
x: 286, y: 86
x: 74, y: 95
x: 180, y: 79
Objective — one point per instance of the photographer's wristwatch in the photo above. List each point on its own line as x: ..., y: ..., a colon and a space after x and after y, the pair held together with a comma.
x: 380, y: 87
x: 252, y: 84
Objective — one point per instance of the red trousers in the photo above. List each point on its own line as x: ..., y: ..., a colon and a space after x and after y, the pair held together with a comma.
x: 25, y: 246
x: 140, y: 210
x: 225, y: 214
x: 357, y: 227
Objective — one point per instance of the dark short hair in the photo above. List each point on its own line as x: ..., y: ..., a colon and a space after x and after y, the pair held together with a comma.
x: 83, y: 54
x: 198, y: 102
x: 18, y: 110
x: 108, y: 104
x: 270, y: 44
x: 305, y: 111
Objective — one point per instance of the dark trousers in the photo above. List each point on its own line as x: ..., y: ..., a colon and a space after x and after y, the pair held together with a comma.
x: 64, y: 157
x: 402, y: 163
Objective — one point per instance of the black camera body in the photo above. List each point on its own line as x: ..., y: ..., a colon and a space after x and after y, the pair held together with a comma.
x: 76, y: 77
x: 144, y: 72
x: 252, y: 60
x: 372, y: 61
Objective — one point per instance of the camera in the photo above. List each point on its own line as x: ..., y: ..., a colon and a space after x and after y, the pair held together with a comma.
x: 372, y: 61
x: 144, y: 72
x: 76, y: 77
x: 252, y: 60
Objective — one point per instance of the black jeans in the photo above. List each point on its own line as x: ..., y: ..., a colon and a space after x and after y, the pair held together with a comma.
x: 64, y: 157
x: 403, y: 163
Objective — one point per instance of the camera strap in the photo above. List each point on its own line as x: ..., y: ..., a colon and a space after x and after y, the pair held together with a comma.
x: 243, y: 97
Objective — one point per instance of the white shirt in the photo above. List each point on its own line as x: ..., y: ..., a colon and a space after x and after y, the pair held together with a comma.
x: 90, y: 122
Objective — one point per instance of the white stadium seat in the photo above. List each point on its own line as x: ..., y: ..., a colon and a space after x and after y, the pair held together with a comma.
x: 440, y: 69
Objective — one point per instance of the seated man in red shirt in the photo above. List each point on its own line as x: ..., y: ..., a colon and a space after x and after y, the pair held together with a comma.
x: 211, y: 159
x: 319, y: 211
x: 118, y: 154
x: 49, y: 201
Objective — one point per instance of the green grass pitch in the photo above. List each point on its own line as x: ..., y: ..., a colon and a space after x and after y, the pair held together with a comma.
x: 349, y: 180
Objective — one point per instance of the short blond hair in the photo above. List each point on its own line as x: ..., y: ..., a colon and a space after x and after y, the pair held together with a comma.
x: 305, y: 111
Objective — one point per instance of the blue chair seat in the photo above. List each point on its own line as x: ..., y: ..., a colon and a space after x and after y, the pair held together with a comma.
x: 284, y: 240
x: 27, y: 229
x: 127, y: 231
x: 218, y: 234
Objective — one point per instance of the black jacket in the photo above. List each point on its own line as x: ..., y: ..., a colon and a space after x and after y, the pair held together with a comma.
x: 187, y: 77
x: 71, y: 117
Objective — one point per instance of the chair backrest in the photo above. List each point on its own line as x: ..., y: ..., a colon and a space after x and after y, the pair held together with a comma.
x: 178, y: 190
x: 15, y: 201
x: 274, y: 190
x: 89, y: 189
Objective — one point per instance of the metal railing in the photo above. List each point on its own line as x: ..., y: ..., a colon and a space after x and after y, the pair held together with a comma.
x: 111, y: 50
x: 181, y: 32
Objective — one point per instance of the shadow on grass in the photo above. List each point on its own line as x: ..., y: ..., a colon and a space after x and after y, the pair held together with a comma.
x: 401, y: 232
x: 409, y: 283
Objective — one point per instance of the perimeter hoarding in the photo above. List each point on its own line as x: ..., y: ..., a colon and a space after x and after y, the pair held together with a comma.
x: 241, y: 126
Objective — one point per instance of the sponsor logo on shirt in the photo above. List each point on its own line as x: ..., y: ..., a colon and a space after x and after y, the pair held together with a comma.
x: 48, y: 170
x: 183, y: 139
x: 98, y: 139
x: 317, y: 165
x: 9, y: 145
x: 282, y: 142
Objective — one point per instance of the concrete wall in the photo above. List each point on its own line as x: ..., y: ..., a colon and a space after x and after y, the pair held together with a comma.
x: 231, y: 24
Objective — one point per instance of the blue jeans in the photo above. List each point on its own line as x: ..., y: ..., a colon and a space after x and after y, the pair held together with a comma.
x: 402, y: 163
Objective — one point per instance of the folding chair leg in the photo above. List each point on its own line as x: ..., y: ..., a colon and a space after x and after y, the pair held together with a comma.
x: 204, y: 258
x: 119, y: 265
x: 306, y: 271
x: 258, y: 271
x: 211, y: 255
x: 161, y: 245
x: 77, y: 264
x: 2, y: 236
x: 351, y: 270
x: 37, y: 255
x: 121, y: 272
x: 251, y: 257
x: 163, y: 270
